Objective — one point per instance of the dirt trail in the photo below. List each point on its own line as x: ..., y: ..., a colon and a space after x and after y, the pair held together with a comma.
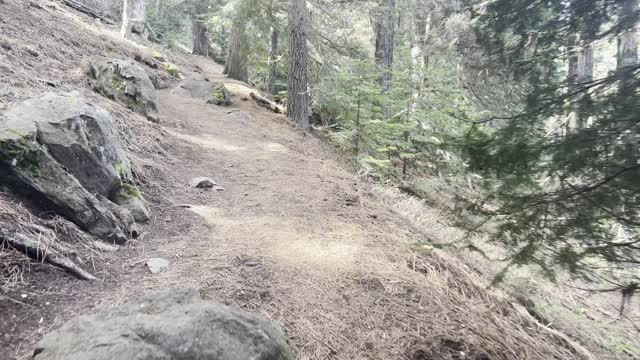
x: 291, y: 237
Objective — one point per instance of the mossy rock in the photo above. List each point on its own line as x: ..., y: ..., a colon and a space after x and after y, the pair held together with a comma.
x: 220, y: 95
x: 198, y: 86
x: 170, y: 324
x: 172, y: 70
x: 125, y: 82
x: 131, y: 198
x: 61, y: 149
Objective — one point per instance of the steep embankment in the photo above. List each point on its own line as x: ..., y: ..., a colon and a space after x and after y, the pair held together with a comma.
x: 294, y: 237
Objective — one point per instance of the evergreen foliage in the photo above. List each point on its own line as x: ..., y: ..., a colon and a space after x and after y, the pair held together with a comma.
x: 561, y: 194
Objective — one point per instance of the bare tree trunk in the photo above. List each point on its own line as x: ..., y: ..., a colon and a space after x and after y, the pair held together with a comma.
x: 140, y: 10
x: 273, y: 57
x: 628, y: 58
x: 134, y: 18
x: 580, y: 74
x: 385, y: 36
x: 628, y: 40
x: 298, y: 97
x: 127, y: 11
x: 140, y: 17
x: 199, y: 38
x: 236, y: 64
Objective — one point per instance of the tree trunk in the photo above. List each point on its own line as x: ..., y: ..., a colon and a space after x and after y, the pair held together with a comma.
x: 298, y: 97
x: 580, y: 74
x: 628, y: 40
x: 273, y: 65
x: 199, y: 38
x: 127, y: 11
x: 140, y: 18
x: 236, y: 64
x: 628, y: 58
x: 134, y: 18
x: 385, y: 35
x: 140, y: 10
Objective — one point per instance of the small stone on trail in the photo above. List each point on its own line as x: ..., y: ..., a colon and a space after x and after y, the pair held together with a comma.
x: 219, y: 188
x: 157, y: 265
x: 202, y: 183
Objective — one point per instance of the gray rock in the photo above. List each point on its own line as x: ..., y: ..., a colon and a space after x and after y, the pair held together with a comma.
x: 80, y: 136
x: 172, y: 324
x: 64, y: 152
x: 125, y: 82
x: 123, y: 215
x: 202, y: 183
x: 157, y: 265
x: 137, y: 207
x: 198, y: 86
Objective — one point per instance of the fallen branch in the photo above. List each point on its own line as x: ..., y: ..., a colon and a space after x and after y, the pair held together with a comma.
x: 268, y: 104
x: 30, y: 247
x: 86, y: 10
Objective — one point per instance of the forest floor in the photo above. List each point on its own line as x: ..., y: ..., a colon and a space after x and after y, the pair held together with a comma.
x: 296, y: 238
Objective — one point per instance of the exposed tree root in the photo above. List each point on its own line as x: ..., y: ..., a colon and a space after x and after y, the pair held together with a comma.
x: 32, y: 248
x: 268, y: 104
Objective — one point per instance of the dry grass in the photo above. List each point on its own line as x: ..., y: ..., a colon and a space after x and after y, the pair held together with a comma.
x: 590, y: 318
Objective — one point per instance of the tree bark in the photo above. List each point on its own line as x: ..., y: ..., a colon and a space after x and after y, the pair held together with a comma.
x: 273, y: 65
x: 628, y: 58
x: 236, y: 64
x: 298, y: 97
x: 199, y: 38
x: 140, y: 18
x: 581, y: 73
x: 140, y: 10
x: 127, y: 12
x: 628, y: 40
x: 385, y: 35
x: 134, y: 13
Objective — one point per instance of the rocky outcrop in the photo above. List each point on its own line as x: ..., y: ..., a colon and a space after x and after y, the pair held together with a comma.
x: 79, y: 136
x: 198, y: 86
x: 64, y: 152
x: 125, y: 82
x: 173, y: 324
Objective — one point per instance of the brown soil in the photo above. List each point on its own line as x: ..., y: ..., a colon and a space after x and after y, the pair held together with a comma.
x: 294, y: 237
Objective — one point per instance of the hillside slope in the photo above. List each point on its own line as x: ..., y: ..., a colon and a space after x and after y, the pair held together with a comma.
x: 294, y: 237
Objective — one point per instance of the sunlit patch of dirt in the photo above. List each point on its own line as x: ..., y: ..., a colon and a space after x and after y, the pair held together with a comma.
x: 209, y: 142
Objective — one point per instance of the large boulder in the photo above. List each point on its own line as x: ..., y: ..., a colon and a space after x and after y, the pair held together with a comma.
x: 125, y: 82
x: 173, y: 324
x: 79, y: 136
x: 198, y: 86
x: 63, y: 152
